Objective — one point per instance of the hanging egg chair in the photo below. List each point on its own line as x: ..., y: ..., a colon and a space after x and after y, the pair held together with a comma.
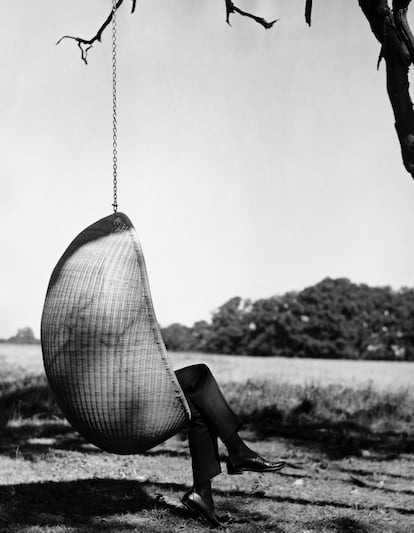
x: 102, y: 347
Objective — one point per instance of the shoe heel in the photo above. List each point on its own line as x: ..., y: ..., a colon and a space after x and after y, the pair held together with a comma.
x: 232, y: 470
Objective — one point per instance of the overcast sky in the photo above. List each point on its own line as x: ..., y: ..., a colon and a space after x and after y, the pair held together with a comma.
x: 251, y: 162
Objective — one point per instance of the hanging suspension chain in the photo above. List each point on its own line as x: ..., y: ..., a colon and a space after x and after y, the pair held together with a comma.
x: 114, y: 112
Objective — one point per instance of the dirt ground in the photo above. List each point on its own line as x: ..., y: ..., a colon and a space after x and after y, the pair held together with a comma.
x: 59, y: 484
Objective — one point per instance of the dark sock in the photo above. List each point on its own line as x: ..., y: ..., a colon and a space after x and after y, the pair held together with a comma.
x: 203, y: 488
x: 237, y: 447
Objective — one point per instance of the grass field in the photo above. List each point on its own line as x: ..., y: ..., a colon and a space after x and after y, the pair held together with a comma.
x: 346, y: 431
x: 23, y: 360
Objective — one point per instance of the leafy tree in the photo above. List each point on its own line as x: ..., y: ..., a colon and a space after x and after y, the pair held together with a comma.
x: 202, y: 335
x: 270, y: 327
x: 229, y: 325
x: 178, y: 338
x: 24, y: 336
x: 333, y: 319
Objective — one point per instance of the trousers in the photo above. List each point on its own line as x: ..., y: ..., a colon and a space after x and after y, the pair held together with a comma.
x: 211, y: 418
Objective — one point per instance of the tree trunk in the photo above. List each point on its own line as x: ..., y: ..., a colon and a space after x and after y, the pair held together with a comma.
x: 390, y: 27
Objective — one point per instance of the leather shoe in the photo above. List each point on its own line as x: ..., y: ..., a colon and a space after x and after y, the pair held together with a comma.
x: 196, y: 505
x: 238, y: 465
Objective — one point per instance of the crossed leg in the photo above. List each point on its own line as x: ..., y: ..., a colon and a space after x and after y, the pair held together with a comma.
x: 213, y: 418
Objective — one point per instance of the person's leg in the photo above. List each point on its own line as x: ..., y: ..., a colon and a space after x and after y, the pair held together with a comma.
x: 202, y: 439
x: 211, y: 416
x: 201, y: 388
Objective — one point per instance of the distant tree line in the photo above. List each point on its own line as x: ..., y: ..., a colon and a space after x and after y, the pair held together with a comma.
x: 23, y: 336
x: 332, y: 319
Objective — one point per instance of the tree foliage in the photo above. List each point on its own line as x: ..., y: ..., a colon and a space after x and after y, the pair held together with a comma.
x: 332, y: 319
x: 23, y: 336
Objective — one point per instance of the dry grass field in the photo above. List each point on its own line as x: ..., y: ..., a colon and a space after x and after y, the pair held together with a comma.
x: 349, y: 448
x: 24, y: 360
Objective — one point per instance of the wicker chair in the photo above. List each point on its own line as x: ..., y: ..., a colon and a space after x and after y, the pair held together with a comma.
x: 102, y: 348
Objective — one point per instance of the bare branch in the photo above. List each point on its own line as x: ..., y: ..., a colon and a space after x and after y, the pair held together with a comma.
x: 231, y: 8
x: 308, y: 12
x: 86, y: 44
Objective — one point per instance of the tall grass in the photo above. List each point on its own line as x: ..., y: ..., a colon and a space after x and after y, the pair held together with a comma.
x: 288, y: 404
x: 343, y: 419
x: 26, y: 398
x: 333, y: 415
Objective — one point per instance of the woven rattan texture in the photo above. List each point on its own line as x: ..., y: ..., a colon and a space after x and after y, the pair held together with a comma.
x: 102, y: 348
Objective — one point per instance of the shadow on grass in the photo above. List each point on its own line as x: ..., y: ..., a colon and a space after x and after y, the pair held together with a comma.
x: 107, y: 503
x: 362, y: 473
x: 339, y: 425
x: 74, y: 503
x: 341, y: 525
x: 110, y: 504
x: 32, y: 438
x: 336, y: 440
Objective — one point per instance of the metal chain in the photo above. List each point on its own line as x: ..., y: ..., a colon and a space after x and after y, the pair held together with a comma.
x: 114, y: 112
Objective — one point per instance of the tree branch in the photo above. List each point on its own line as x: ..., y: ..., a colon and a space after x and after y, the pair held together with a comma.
x: 86, y: 44
x: 231, y: 8
x: 308, y: 12
x: 391, y: 28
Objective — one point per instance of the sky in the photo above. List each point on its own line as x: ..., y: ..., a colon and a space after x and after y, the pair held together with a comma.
x: 251, y: 162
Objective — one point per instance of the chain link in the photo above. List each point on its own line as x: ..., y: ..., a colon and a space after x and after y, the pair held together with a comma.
x: 114, y: 112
